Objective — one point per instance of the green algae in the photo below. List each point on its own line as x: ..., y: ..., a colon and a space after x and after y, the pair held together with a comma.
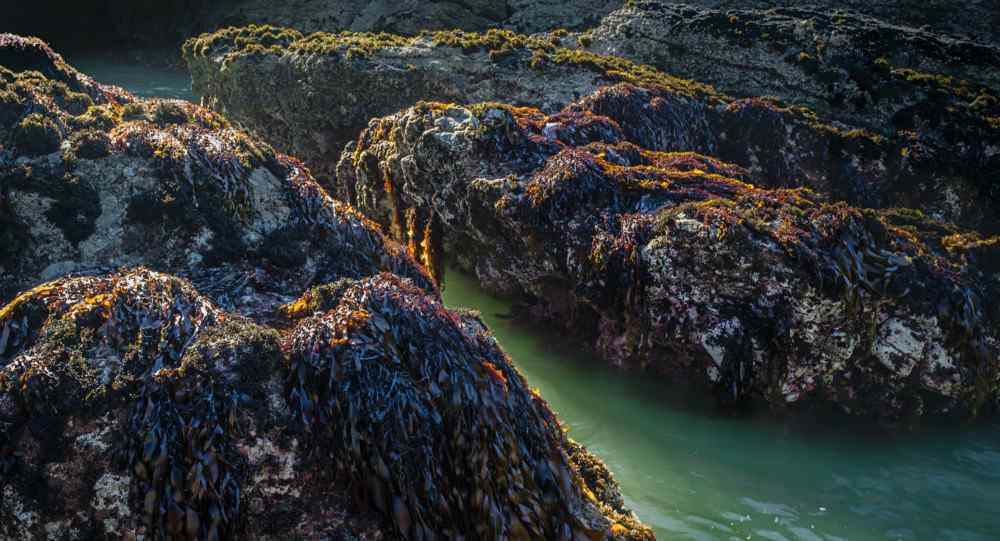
x: 36, y: 135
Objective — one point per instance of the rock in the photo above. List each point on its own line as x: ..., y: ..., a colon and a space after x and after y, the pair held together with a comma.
x: 682, y: 265
x: 284, y: 85
x: 270, y: 79
x: 845, y: 66
x: 141, y: 409
x: 110, y: 180
x: 976, y: 19
x: 154, y: 31
x: 212, y: 396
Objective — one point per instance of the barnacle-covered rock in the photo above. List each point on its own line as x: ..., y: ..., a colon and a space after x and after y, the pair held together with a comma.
x: 133, y: 406
x: 677, y: 264
x: 91, y: 176
x: 284, y: 85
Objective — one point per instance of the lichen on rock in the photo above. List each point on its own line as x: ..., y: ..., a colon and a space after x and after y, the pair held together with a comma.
x: 677, y: 267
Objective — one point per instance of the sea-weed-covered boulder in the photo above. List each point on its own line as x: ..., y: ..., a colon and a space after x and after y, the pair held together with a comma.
x: 92, y: 177
x: 141, y: 404
x: 132, y: 406
x: 310, y: 94
x: 844, y: 65
x: 679, y: 264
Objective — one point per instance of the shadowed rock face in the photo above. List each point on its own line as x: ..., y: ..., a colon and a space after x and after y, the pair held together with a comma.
x: 311, y: 94
x: 678, y: 264
x: 269, y: 79
x: 976, y: 19
x: 206, y: 399
x: 853, y: 68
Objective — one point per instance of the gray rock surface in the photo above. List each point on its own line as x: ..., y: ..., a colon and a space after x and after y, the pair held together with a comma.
x: 846, y: 66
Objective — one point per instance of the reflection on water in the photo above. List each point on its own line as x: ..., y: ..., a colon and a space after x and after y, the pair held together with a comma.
x: 691, y: 474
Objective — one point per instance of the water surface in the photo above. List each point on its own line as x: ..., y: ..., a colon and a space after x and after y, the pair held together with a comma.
x: 692, y: 474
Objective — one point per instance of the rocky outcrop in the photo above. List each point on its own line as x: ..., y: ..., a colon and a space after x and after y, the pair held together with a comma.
x: 414, y: 16
x: 153, y: 31
x: 846, y: 66
x: 977, y: 19
x: 269, y: 79
x: 132, y: 406
x: 680, y: 264
x: 93, y: 177
x: 212, y: 395
x: 284, y: 86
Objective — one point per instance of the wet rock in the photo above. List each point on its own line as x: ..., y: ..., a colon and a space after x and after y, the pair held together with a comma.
x: 209, y: 402
x: 131, y: 405
x: 682, y: 265
x: 846, y: 66
x: 268, y: 79
x: 125, y: 181
x: 284, y: 85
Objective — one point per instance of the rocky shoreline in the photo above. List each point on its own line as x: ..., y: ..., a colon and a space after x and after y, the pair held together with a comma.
x: 694, y: 234
x: 681, y: 265
x: 206, y: 345
x: 202, y: 336
x: 279, y: 83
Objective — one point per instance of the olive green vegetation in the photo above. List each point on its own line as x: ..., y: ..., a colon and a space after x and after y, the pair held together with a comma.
x: 166, y: 113
x: 503, y: 47
x: 89, y: 144
x: 36, y: 134
x: 539, y: 51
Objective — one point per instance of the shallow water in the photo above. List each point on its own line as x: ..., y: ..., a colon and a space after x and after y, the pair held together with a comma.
x: 136, y: 78
x: 691, y: 474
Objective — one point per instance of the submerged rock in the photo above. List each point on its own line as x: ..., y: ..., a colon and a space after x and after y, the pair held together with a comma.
x: 142, y: 404
x: 679, y: 264
x: 132, y: 406
x: 311, y: 94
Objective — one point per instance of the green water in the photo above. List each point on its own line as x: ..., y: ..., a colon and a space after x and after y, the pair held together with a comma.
x: 137, y: 79
x: 691, y: 474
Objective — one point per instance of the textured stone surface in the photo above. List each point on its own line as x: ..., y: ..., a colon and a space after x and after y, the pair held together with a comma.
x: 215, y: 396
x: 678, y: 264
x: 165, y: 184
x: 131, y: 406
x: 312, y: 94
x: 846, y: 66
x: 309, y: 95
x: 977, y: 19
x: 155, y: 30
